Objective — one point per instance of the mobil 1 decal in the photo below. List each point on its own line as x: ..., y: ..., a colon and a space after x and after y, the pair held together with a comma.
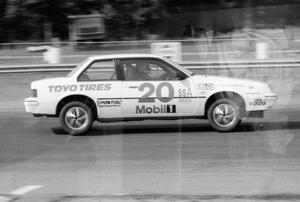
x: 150, y: 93
x: 161, y: 109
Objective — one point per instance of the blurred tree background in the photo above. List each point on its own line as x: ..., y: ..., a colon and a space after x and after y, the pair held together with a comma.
x: 41, y: 20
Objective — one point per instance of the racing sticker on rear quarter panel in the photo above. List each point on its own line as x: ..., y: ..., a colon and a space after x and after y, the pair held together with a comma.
x: 79, y: 87
x: 109, y: 102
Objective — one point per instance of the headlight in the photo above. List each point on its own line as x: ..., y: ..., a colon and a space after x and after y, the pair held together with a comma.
x: 34, y: 92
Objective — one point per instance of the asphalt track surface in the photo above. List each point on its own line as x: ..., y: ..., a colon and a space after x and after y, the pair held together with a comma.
x: 148, y: 160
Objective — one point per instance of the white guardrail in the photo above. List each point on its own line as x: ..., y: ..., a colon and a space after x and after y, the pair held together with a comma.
x: 188, y: 65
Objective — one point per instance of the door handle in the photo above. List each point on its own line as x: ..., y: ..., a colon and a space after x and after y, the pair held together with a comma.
x: 133, y: 86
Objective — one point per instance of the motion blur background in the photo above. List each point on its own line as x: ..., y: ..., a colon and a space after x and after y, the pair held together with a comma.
x: 256, y: 39
x: 40, y: 20
x: 208, y: 30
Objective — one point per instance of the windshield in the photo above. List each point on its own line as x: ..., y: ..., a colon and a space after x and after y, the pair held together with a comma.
x: 172, y: 62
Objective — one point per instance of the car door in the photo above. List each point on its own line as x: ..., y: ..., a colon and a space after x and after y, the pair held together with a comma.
x: 154, y: 88
x: 101, y: 82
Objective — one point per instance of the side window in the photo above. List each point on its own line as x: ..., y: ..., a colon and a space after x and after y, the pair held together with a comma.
x: 156, y: 72
x: 101, y: 70
x: 147, y: 69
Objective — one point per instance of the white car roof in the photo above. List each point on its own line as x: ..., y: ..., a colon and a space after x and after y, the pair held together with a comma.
x: 113, y: 56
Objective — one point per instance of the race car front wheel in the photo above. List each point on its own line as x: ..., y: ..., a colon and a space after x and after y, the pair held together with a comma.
x: 224, y: 115
x: 76, y: 118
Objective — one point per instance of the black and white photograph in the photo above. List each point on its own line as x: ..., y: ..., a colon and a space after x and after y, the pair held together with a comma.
x: 149, y: 100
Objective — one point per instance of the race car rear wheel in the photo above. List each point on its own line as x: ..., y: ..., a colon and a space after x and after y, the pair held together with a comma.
x: 224, y: 115
x: 76, y: 118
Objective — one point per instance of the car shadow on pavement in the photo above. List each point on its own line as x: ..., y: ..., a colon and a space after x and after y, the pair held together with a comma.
x: 107, y: 129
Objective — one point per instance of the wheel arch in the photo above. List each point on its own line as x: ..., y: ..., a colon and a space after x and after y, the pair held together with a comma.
x: 80, y: 98
x: 225, y: 94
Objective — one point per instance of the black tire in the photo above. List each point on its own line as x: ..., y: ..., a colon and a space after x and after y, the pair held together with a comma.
x: 224, y: 115
x: 76, y: 118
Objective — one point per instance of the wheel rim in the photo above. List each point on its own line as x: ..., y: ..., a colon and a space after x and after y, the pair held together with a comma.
x: 76, y: 118
x: 224, y: 115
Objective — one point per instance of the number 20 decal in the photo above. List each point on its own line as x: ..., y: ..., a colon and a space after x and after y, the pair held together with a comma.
x: 150, y: 89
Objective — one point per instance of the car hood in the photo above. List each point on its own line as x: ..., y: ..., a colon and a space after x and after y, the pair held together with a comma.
x: 226, y: 81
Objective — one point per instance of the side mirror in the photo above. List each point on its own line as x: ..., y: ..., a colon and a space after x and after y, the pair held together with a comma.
x: 180, y: 76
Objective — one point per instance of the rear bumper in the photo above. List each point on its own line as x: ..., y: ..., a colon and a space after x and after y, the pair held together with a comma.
x: 31, y: 105
x: 39, y: 108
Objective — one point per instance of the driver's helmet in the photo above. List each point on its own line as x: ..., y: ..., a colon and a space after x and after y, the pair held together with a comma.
x: 142, y: 66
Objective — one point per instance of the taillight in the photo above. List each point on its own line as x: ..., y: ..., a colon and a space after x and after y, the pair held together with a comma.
x: 34, y: 92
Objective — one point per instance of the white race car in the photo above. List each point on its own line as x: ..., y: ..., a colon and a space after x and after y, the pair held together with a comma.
x: 131, y: 87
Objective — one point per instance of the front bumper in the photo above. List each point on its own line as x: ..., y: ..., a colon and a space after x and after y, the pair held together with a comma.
x: 31, y: 105
x: 261, y: 102
x: 270, y: 100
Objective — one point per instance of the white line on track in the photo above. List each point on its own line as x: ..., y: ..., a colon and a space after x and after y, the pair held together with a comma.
x: 19, y: 192
x: 69, y: 138
x: 25, y: 189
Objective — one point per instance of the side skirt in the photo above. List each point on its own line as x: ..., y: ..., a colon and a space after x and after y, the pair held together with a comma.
x: 148, y: 118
